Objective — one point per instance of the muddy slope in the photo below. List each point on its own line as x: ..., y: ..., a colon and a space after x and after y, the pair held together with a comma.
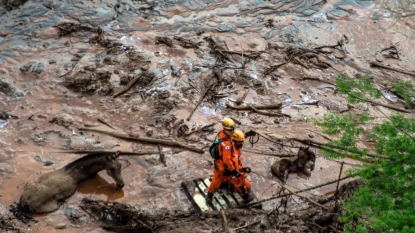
x: 172, y: 70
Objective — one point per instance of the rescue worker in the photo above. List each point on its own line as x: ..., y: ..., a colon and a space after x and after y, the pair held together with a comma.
x: 223, y: 166
x: 239, y: 183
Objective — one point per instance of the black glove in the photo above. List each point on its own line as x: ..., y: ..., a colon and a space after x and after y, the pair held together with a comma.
x: 227, y: 172
x: 247, y: 169
x: 250, y: 133
x: 235, y: 173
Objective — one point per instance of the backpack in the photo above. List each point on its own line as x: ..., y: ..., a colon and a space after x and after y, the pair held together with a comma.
x: 213, y: 149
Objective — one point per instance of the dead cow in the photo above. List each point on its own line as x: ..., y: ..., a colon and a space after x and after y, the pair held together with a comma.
x: 51, y: 190
x: 304, y: 162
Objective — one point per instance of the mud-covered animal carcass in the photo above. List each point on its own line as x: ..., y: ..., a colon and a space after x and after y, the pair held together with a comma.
x: 303, y: 162
x: 51, y: 190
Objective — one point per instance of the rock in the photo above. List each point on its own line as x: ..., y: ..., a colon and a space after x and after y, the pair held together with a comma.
x: 337, y: 14
x: 163, y: 94
x: 35, y: 68
x: 6, y: 169
x: 60, y: 227
x: 225, y: 27
x: 38, y: 158
x: 64, y: 120
x: 8, y: 89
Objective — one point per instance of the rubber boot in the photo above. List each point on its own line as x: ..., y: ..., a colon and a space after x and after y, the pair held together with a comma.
x: 209, y: 198
x: 248, y: 197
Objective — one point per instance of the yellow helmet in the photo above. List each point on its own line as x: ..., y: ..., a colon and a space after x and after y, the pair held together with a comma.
x: 238, y: 135
x: 228, y: 124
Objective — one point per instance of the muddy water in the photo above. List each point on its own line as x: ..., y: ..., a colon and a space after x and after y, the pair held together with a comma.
x: 34, y: 61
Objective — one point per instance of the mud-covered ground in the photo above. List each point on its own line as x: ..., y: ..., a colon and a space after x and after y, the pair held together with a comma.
x: 67, y: 67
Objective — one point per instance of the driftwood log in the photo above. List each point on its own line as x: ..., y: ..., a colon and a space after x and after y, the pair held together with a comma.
x: 166, y: 142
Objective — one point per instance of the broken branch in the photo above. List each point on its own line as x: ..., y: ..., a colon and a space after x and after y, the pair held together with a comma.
x: 288, y: 194
x: 320, y: 145
x: 268, y: 113
x: 242, y: 95
x: 200, y: 101
x: 104, y: 122
x: 247, y: 225
x: 129, y: 85
x: 306, y: 198
x: 200, y: 129
x: 274, y: 68
x: 316, y: 79
x: 225, y: 222
x: 375, y: 64
x: 165, y: 142
x: 383, y: 105
x: 271, y: 106
x: 337, y: 187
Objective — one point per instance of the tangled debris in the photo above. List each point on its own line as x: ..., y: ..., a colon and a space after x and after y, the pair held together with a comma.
x: 67, y: 28
x: 121, y: 217
x: 12, y: 4
x: 90, y: 82
x: 21, y: 213
x: 6, y: 223
x: 286, y: 217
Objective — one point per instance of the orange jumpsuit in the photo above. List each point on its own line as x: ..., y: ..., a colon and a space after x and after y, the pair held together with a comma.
x: 240, y: 184
x: 225, y: 151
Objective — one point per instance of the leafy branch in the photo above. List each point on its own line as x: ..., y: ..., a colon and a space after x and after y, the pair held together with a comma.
x: 385, y: 202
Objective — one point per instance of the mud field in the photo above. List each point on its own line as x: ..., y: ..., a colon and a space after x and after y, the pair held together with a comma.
x: 72, y: 71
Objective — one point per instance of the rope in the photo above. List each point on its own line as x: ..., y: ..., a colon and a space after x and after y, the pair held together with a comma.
x: 252, y: 142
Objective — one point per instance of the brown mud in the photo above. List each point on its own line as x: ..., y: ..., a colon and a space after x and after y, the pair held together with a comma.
x: 171, y: 70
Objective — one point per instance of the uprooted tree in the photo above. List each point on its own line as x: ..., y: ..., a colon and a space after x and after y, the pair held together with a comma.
x: 386, y: 201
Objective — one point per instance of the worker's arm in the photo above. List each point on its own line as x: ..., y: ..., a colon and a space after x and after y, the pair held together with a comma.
x: 226, y: 153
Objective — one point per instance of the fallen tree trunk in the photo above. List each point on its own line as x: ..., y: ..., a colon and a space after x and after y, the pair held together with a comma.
x: 165, y: 142
x: 271, y: 106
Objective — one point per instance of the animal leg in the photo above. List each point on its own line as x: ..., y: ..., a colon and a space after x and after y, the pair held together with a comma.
x: 48, y: 207
x: 285, y: 176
